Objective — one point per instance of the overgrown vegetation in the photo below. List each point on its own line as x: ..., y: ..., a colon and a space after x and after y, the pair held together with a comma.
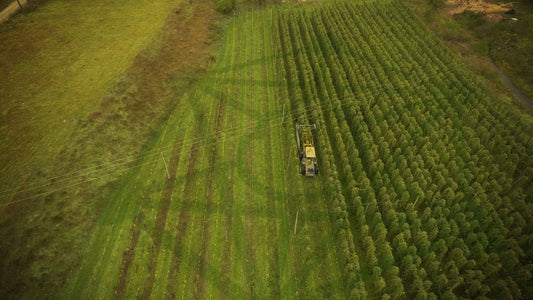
x: 225, y: 6
x: 436, y: 4
x: 509, y: 44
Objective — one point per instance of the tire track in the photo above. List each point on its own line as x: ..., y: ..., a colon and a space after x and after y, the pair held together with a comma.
x: 129, y: 254
x: 250, y: 209
x: 271, y: 191
x: 184, y: 219
x: 249, y: 225
x: 228, y: 223
x: 201, y: 284
x: 228, y: 207
x: 161, y: 218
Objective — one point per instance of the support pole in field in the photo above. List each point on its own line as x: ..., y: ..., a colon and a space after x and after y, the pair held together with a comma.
x: 288, y: 160
x: 166, y: 167
x: 296, y: 222
x: 20, y: 5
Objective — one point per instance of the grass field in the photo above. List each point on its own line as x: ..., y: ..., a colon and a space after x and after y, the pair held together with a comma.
x: 223, y: 223
x: 83, y: 86
x: 424, y: 189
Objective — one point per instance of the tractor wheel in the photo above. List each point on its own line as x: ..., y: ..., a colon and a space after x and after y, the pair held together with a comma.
x: 316, y: 170
x: 302, y: 169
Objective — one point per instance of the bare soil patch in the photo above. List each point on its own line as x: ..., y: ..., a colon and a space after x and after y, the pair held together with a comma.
x: 490, y: 9
x: 187, y: 48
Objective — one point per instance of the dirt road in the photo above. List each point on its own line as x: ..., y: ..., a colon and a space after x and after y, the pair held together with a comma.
x: 507, y: 81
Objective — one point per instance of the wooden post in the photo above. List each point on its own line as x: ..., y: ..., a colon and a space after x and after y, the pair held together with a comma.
x: 296, y: 222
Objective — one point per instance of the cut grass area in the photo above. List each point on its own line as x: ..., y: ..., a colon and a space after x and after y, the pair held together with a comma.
x: 86, y: 84
x: 229, y: 226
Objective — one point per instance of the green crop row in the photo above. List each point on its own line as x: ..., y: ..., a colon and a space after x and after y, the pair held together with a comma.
x: 429, y: 175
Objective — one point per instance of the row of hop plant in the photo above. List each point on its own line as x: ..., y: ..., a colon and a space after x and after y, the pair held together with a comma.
x: 487, y: 154
x: 382, y: 276
x: 368, y: 193
x: 485, y: 140
x: 330, y: 140
x: 377, y: 283
x: 300, y: 93
x: 410, y: 146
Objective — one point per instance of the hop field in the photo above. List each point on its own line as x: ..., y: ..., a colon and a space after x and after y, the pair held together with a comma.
x: 425, y: 181
x: 429, y: 176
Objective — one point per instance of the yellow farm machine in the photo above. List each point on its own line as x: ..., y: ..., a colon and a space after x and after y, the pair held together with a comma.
x: 306, y: 149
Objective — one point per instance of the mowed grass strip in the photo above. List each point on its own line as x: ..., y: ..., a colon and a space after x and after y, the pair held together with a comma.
x: 248, y: 168
x: 272, y: 145
x: 139, y: 194
x: 206, y: 112
x: 176, y: 204
x: 255, y: 213
x: 239, y: 269
x: 266, y: 287
x: 216, y: 272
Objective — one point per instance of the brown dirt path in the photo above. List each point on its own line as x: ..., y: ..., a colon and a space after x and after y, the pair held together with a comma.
x: 507, y: 81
